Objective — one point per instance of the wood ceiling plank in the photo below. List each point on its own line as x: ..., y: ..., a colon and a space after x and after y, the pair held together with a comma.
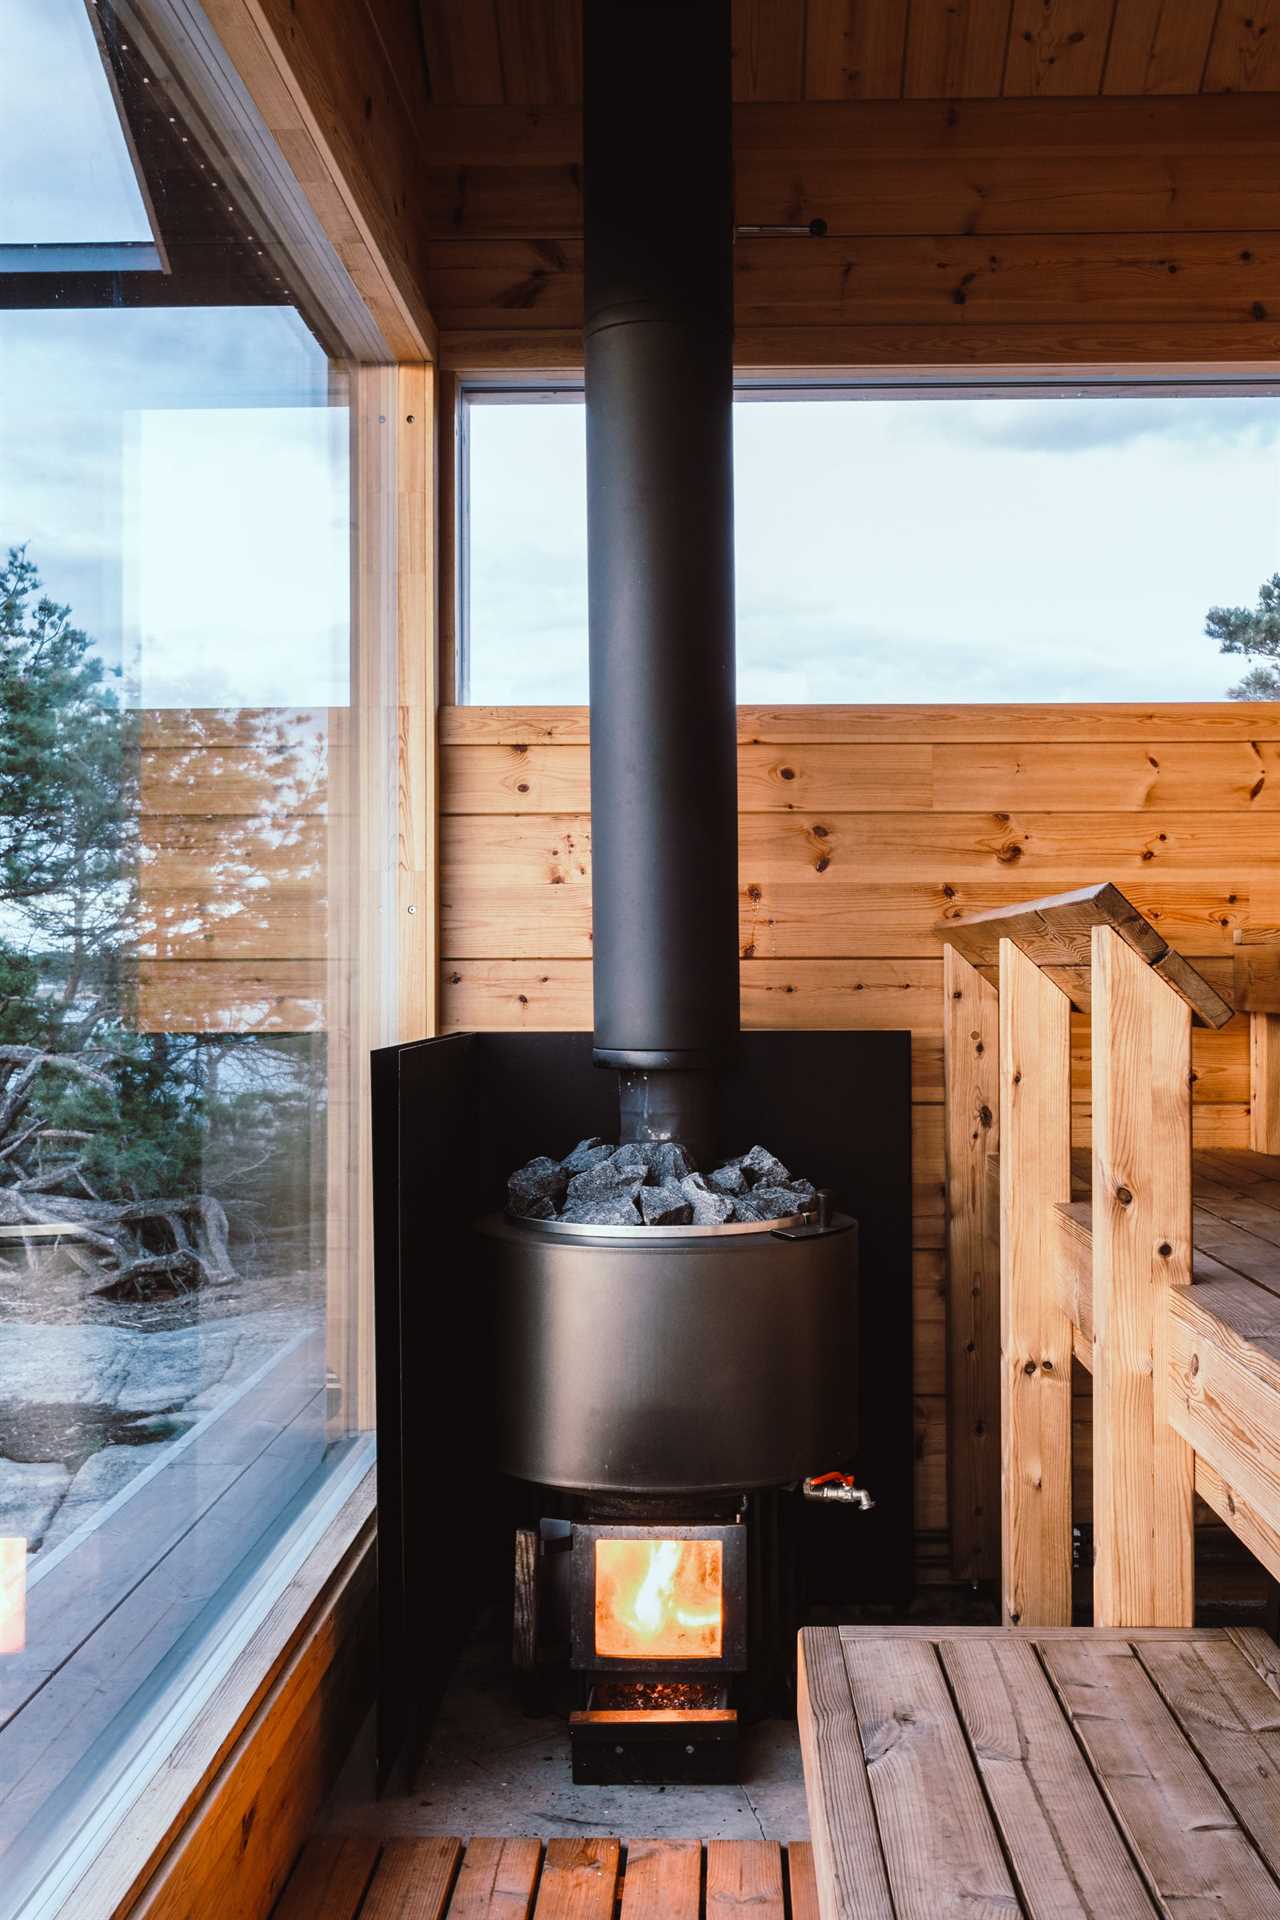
x: 541, y: 49
x: 1244, y: 55
x: 879, y: 279
x: 464, y: 60
x: 956, y: 49
x: 853, y: 49
x: 1159, y: 46
x: 1057, y: 46
x: 768, y: 50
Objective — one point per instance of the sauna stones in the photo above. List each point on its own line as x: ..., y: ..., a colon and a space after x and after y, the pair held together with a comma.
x: 654, y: 1183
x: 536, y: 1190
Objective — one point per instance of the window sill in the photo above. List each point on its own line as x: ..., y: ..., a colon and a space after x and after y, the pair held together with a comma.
x: 187, y: 1806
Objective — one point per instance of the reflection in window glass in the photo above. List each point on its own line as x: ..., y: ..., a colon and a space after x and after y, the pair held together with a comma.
x: 66, y: 173
x: 942, y: 549
x: 175, y: 1010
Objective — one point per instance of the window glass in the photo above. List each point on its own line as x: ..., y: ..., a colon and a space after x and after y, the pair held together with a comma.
x: 180, y: 1014
x: 64, y: 150
x: 942, y: 549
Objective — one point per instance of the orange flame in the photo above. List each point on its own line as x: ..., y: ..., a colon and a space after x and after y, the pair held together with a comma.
x: 659, y: 1599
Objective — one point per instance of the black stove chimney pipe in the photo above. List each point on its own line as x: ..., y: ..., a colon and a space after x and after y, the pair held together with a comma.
x: 658, y: 228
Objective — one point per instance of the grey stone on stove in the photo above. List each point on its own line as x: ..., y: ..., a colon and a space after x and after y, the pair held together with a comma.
x: 806, y: 1193
x: 606, y: 1209
x: 631, y: 1160
x: 764, y: 1169
x: 765, y: 1203
x: 538, y: 1210
x: 588, y: 1153
x: 665, y: 1206
x: 728, y: 1179
x: 671, y: 1161
x: 709, y: 1209
x: 603, y: 1181
x: 540, y: 1179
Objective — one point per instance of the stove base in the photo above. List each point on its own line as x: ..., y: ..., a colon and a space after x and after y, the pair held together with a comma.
x: 646, y: 1747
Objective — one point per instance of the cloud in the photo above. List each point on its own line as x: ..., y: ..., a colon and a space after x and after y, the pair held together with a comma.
x: 1074, y: 423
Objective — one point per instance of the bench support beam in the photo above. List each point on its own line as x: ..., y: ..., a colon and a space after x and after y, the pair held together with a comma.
x: 1035, y: 1334
x: 1143, y: 1471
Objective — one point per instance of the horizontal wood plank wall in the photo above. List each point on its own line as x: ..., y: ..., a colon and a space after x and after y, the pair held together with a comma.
x: 994, y: 233
x: 860, y: 829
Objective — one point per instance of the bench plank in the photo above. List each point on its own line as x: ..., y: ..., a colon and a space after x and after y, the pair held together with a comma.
x: 939, y: 1845
x: 1198, y: 1861
x: 1068, y: 1858
x: 1232, y: 1719
x: 846, y: 1850
x: 1056, y: 931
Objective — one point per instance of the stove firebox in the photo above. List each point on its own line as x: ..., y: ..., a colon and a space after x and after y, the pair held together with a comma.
x: 658, y: 1618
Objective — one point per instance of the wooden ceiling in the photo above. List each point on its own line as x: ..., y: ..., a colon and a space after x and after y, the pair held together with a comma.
x: 529, y: 52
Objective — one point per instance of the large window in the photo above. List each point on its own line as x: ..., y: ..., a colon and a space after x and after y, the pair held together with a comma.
x: 182, y: 1009
x: 933, y: 547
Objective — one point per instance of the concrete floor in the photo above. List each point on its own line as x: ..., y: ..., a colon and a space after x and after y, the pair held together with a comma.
x: 491, y: 1770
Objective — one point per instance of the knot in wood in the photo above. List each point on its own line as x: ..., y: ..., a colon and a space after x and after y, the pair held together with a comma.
x: 1164, y: 1249
x: 1029, y: 1368
x: 1124, y: 1196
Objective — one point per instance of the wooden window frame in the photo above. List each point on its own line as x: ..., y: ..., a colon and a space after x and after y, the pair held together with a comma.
x: 209, y: 1814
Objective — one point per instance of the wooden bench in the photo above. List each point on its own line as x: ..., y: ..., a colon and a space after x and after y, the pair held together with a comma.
x: 1167, y: 1292
x: 512, y: 1879
x: 1060, y: 1774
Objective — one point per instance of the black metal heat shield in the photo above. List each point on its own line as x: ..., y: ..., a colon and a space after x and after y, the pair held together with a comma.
x: 663, y: 1361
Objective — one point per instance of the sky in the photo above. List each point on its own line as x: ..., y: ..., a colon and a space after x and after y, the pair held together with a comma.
x: 182, y: 484
x: 179, y: 475
x: 63, y: 158
x: 931, y: 550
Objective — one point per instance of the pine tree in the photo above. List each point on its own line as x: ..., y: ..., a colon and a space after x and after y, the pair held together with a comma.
x: 1254, y: 632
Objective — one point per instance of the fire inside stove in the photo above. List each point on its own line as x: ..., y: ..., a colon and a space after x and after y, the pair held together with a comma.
x: 659, y: 1599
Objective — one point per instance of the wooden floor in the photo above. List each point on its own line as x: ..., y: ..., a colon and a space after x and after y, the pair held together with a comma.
x: 1055, y: 1773
x: 565, y: 1880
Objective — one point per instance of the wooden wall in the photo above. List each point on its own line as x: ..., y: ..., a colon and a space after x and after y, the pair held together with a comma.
x: 860, y: 829
x: 958, y: 234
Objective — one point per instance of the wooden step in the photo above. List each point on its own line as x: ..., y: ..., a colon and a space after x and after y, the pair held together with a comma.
x: 1029, y: 1772
x: 440, y: 1878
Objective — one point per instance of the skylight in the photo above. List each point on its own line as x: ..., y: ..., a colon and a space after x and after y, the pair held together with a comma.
x: 70, y: 199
